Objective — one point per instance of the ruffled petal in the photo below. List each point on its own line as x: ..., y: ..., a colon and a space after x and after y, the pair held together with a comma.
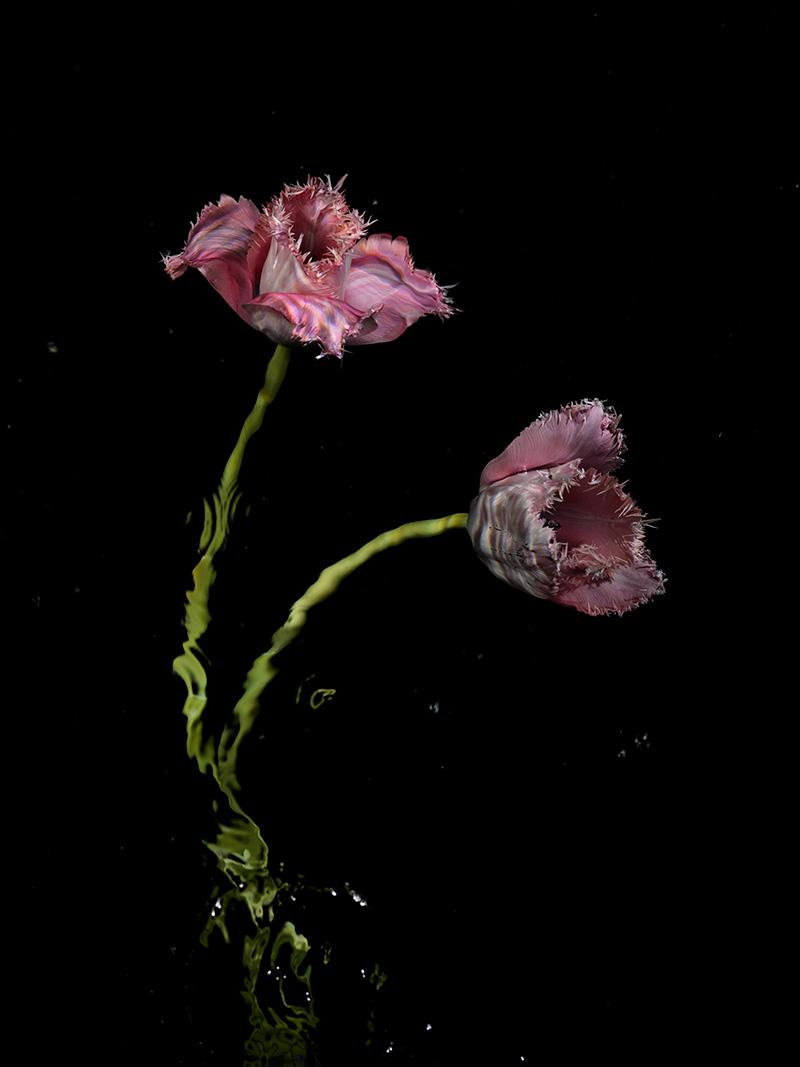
x: 316, y: 219
x: 304, y: 317
x: 284, y: 271
x: 585, y: 431
x: 381, y: 280
x: 221, y: 246
x: 508, y: 532
x: 567, y: 535
x: 594, y: 510
x: 614, y: 590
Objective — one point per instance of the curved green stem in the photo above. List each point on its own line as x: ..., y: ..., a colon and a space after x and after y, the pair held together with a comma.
x: 264, y: 670
x: 215, y: 531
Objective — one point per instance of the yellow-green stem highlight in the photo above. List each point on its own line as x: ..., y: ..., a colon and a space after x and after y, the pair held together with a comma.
x: 215, y: 531
x: 264, y: 670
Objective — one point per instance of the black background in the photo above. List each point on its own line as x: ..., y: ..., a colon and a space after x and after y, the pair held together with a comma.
x: 566, y: 828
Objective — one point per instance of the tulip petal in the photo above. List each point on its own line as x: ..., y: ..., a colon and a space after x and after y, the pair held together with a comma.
x: 585, y: 431
x: 316, y: 219
x: 218, y: 245
x: 617, y: 591
x: 284, y: 272
x: 383, y: 282
x: 304, y: 317
x: 509, y: 535
x: 595, y: 510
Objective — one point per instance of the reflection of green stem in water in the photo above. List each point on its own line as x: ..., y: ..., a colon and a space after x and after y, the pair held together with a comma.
x: 264, y: 670
x: 215, y: 532
x: 272, y: 1034
x: 242, y: 854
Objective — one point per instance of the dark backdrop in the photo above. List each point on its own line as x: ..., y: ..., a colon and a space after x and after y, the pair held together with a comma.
x: 565, y: 827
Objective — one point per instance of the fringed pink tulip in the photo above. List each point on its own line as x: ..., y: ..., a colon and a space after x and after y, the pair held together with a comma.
x: 301, y: 270
x: 551, y: 520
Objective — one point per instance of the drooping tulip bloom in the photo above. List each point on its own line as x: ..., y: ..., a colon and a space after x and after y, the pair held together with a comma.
x: 302, y: 270
x: 551, y: 520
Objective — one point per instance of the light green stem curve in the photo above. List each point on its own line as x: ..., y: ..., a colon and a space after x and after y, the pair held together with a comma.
x: 215, y: 531
x: 264, y: 670
x: 241, y: 851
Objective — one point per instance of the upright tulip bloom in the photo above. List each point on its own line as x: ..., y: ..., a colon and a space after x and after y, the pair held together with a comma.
x: 302, y: 270
x: 551, y: 520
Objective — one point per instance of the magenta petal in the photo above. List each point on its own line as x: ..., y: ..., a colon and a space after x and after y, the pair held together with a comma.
x: 584, y: 431
x: 302, y: 317
x: 383, y: 283
x: 615, y: 592
x: 218, y: 246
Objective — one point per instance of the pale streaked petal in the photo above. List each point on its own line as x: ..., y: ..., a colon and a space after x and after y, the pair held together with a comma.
x: 585, y: 431
x: 508, y: 532
x: 303, y: 317
x: 384, y: 284
x: 284, y: 272
x: 218, y: 245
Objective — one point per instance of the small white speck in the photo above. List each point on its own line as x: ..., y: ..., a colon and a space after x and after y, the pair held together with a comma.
x: 428, y: 1026
x: 52, y: 347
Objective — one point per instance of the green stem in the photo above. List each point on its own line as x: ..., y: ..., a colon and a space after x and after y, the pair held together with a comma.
x: 264, y: 670
x: 215, y: 531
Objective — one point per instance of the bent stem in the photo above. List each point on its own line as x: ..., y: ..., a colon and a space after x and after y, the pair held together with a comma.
x: 215, y: 532
x: 264, y: 669
x: 241, y: 850
x: 242, y: 854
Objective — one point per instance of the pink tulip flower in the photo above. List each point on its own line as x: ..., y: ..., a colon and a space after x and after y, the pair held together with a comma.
x: 551, y: 520
x: 302, y: 269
